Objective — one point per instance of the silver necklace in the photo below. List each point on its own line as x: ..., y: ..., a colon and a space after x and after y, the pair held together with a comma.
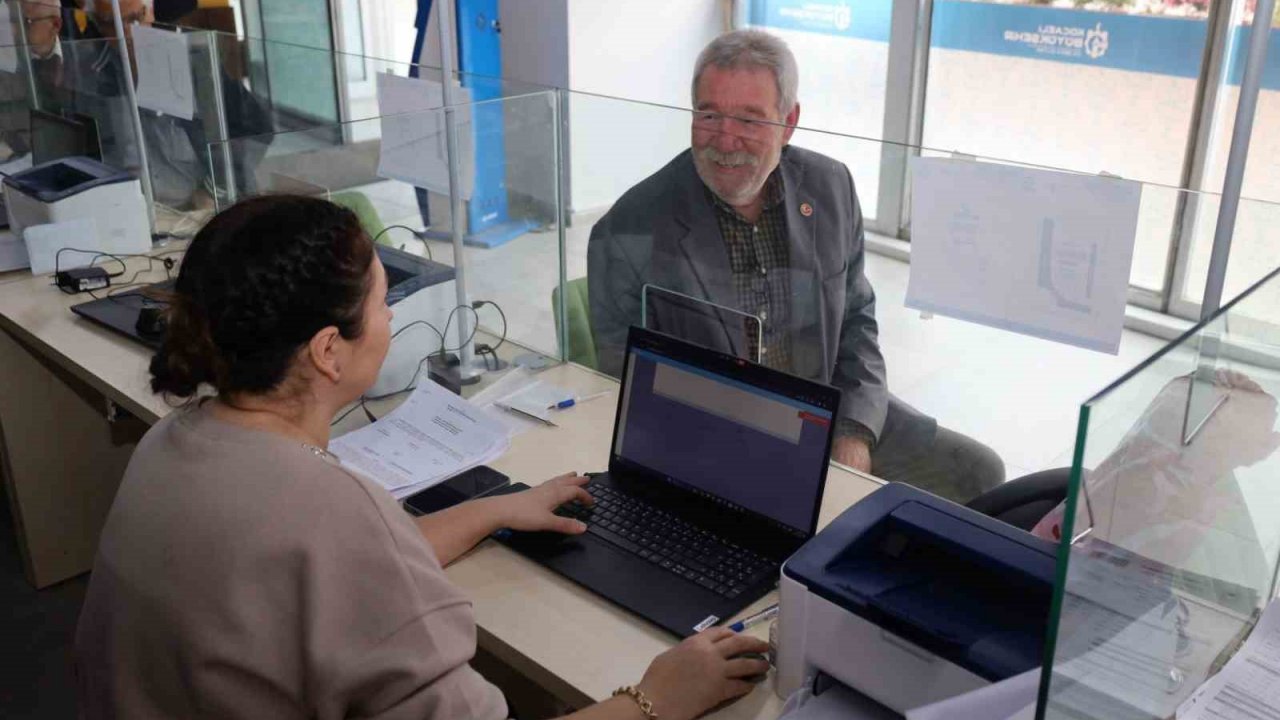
x: 321, y: 453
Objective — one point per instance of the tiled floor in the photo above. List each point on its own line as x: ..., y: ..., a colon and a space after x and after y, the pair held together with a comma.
x: 36, y: 632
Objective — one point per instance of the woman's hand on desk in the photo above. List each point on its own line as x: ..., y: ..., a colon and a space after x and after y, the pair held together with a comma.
x: 534, y: 509
x: 702, y: 672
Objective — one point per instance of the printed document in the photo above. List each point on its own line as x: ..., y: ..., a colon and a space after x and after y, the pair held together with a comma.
x: 432, y: 436
x: 413, y: 147
x: 1248, y: 687
x: 164, y: 71
x: 520, y: 401
x: 1037, y: 252
x: 1009, y: 699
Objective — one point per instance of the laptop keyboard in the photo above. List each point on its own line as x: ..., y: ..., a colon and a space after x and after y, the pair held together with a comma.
x: 670, y: 543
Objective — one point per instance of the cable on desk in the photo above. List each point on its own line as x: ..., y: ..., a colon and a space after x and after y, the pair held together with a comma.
x: 420, y: 235
x: 162, y: 257
x: 483, y: 349
x: 97, y: 254
x: 130, y: 287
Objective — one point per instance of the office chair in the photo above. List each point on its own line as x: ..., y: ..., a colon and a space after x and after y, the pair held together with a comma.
x: 358, y: 203
x: 582, y: 345
x: 1022, y: 502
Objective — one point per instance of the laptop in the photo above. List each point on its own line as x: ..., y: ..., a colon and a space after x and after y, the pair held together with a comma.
x: 120, y: 311
x: 715, y: 477
x: 55, y: 136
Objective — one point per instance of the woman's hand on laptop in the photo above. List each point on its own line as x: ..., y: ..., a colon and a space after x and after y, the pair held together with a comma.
x: 534, y: 509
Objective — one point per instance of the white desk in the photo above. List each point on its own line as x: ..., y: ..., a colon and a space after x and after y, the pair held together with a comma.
x: 63, y: 467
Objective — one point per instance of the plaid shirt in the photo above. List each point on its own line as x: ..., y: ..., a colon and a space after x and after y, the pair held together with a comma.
x: 759, y: 257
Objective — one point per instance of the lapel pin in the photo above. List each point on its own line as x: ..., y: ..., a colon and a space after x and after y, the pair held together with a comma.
x: 806, y: 209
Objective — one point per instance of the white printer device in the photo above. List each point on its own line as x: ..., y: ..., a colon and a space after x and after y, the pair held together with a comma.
x: 80, y: 188
x: 908, y: 599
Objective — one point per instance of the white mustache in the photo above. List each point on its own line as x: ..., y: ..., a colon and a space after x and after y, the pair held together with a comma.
x: 732, y: 159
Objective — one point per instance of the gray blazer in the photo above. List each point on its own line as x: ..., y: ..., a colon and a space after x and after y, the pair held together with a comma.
x: 663, y: 232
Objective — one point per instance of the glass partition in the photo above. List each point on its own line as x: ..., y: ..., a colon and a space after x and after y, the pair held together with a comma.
x: 230, y: 93
x: 1169, y: 537
x: 67, y: 105
x: 497, y: 296
x: 1002, y: 391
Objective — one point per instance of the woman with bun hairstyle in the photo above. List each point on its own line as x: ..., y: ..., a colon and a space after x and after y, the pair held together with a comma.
x: 244, y: 573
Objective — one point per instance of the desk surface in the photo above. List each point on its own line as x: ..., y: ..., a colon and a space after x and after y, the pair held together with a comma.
x: 563, y: 637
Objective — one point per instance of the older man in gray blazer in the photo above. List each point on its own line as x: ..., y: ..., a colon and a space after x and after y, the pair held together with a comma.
x: 770, y: 237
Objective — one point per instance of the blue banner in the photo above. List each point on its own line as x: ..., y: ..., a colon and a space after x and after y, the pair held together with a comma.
x: 1141, y: 43
x: 861, y: 19
x: 1138, y: 43
x: 1240, y: 51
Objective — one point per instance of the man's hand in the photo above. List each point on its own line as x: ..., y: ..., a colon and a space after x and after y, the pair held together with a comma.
x: 852, y: 451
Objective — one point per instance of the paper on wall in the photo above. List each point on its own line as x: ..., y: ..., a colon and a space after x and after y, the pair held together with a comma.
x: 164, y: 71
x: 1033, y: 251
x: 432, y: 436
x: 413, y: 147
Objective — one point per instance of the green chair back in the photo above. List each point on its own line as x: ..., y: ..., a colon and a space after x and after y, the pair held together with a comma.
x: 359, y: 204
x: 582, y: 346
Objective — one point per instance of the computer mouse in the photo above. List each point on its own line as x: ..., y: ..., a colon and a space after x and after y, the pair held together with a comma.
x: 151, y: 321
x: 753, y: 656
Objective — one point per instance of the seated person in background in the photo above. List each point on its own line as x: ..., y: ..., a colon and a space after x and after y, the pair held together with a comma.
x: 747, y: 221
x: 177, y: 149
x: 43, y: 21
x: 243, y: 572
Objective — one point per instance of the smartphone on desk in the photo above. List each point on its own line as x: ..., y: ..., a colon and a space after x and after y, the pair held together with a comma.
x: 479, y: 480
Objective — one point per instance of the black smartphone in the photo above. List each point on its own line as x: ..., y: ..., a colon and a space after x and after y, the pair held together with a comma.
x: 479, y: 480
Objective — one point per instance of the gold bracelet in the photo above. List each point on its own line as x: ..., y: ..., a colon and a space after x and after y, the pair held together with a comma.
x: 633, y: 692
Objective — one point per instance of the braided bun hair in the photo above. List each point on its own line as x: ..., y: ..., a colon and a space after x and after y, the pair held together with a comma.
x: 257, y: 283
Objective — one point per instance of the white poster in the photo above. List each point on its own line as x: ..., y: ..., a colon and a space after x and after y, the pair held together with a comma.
x: 164, y: 71
x: 1033, y: 251
x: 414, y: 148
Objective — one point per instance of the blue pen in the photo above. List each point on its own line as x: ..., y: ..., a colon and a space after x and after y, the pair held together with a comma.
x: 574, y: 401
x: 762, y: 616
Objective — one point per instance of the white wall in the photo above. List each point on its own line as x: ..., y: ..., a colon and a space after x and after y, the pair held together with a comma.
x: 638, y: 49
x: 535, y: 41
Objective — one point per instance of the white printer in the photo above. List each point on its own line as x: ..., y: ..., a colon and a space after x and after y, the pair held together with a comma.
x: 908, y: 599
x: 78, y: 188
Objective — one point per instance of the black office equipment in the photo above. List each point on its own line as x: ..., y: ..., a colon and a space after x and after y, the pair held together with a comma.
x: 55, y: 136
x: 715, y: 477
x: 123, y: 311
x: 480, y: 480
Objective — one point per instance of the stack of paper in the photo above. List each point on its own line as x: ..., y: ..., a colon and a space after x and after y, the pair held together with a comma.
x: 520, y: 401
x: 1248, y: 688
x: 433, y: 436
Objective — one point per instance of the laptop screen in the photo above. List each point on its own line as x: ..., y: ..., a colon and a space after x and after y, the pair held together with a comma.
x: 737, y: 442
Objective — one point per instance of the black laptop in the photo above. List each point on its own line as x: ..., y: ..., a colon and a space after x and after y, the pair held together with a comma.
x: 122, y: 311
x: 715, y: 478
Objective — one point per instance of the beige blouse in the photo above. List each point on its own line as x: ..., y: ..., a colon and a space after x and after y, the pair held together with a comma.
x: 243, y: 575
